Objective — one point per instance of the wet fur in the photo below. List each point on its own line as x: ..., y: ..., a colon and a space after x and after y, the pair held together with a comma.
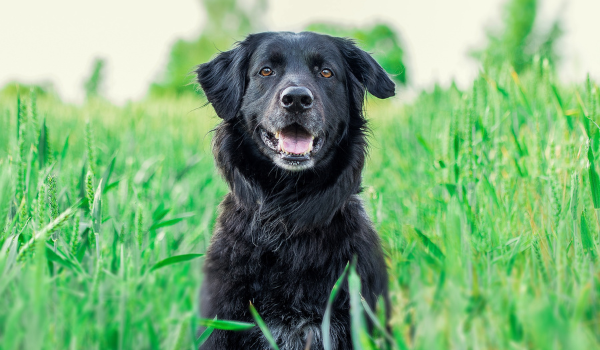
x: 283, y: 238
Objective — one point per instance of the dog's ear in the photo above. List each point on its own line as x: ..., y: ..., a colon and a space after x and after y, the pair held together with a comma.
x: 223, y: 80
x: 365, y: 69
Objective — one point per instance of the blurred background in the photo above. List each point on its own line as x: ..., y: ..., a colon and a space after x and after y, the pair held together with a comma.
x: 129, y: 50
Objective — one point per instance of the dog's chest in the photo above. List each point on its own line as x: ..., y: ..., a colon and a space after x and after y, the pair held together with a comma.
x: 298, y: 275
x: 289, y: 283
x: 289, y: 286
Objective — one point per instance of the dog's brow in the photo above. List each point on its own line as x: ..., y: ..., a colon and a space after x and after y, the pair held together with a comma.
x: 315, y: 58
x: 276, y: 57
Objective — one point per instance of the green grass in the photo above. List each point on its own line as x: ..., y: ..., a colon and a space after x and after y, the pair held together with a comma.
x: 486, y: 201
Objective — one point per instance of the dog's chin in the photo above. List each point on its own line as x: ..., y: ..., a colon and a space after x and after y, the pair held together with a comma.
x: 293, y: 148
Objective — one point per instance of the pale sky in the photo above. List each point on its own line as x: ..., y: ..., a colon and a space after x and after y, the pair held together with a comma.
x: 57, y: 40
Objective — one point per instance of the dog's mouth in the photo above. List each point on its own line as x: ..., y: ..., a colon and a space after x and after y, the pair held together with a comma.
x: 293, y: 143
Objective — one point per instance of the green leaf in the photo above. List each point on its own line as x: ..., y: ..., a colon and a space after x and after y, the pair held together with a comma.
x: 52, y: 256
x: 63, y: 153
x: 438, y: 296
x: 432, y: 247
x: 558, y: 100
x: 171, y: 222
x: 152, y: 337
x: 192, y: 161
x: 226, y: 325
x: 376, y: 322
x: 424, y: 144
x: 107, y: 173
x: 360, y: 335
x: 263, y: 327
x: 8, y: 258
x: 574, y: 194
x: 43, y: 144
x: 160, y: 212
x: 174, y: 260
x: 582, y: 303
x: 560, y: 108
x: 586, y: 238
x: 451, y: 188
x: 513, y: 254
x: 492, y: 191
x: 204, y: 336
x: 326, y: 324
x: 521, y: 91
x: 584, y: 109
x: 97, y: 209
x: 594, y: 180
x: 112, y: 185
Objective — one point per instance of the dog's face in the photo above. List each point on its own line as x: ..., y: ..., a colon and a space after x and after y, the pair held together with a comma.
x: 295, y: 98
x: 295, y: 94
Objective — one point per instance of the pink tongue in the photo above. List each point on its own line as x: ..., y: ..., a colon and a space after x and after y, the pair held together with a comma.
x: 295, y: 142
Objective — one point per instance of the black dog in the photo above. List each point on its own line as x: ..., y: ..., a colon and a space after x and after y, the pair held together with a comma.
x: 291, y: 147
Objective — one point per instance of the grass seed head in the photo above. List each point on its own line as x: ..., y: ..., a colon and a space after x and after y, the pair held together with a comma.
x: 74, y: 241
x: 139, y: 221
x: 90, y: 147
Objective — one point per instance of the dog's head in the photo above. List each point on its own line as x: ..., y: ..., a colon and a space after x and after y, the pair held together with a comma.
x: 296, y: 95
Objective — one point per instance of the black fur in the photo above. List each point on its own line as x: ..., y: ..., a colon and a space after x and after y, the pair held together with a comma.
x: 286, y: 231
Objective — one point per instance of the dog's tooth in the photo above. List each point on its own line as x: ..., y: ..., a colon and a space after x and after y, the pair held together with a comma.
x: 277, y: 135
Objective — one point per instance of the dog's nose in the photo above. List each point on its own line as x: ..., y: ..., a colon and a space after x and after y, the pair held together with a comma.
x: 296, y: 98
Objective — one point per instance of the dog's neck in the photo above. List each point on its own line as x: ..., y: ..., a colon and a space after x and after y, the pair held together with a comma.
x: 307, y: 199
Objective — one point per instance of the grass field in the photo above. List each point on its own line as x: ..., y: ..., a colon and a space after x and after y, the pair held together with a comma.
x: 486, y: 201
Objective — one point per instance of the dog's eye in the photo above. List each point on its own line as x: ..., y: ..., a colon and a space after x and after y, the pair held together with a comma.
x: 326, y: 73
x: 265, y: 72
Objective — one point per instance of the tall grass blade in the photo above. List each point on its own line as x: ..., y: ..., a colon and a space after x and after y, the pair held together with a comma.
x: 574, y: 194
x: 160, y: 212
x: 326, y: 324
x: 43, y: 145
x: 97, y: 209
x: 65, y: 148
x: 360, y: 336
x: 521, y: 91
x: 56, y: 257
x: 180, y: 340
x: 152, y: 337
x: 263, y: 327
x: 204, y: 336
x: 432, y: 247
x: 225, y: 325
x: 107, y: 173
x: 587, y: 242
x: 172, y: 221
x: 594, y: 179
x: 582, y: 302
x: 377, y: 324
x: 174, y: 260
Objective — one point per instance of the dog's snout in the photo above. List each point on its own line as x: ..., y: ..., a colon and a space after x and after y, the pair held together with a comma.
x: 296, y: 98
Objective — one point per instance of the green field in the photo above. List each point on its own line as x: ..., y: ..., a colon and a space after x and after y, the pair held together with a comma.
x: 486, y: 201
